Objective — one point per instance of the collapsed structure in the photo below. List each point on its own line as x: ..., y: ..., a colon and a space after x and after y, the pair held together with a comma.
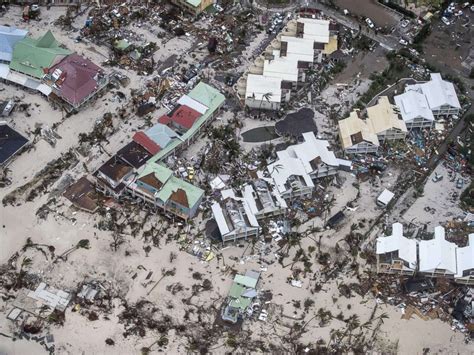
x: 291, y: 176
x: 276, y: 72
x: 242, y: 292
x: 397, y: 254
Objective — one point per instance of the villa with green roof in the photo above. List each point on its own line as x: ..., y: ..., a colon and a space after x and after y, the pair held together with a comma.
x: 156, y: 185
x: 241, y: 295
x: 194, y: 7
x: 34, y: 56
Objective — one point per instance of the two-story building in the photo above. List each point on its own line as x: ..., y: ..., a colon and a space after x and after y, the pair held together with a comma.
x: 384, y: 120
x: 440, y: 95
x: 414, y: 110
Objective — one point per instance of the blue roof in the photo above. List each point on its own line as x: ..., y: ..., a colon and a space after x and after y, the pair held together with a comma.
x: 9, y: 36
x: 161, y: 134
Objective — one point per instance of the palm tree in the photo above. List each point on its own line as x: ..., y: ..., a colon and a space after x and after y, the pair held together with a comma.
x: 267, y: 97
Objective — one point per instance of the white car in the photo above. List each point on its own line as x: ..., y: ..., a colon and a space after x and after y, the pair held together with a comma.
x: 405, y: 23
x: 403, y: 42
x: 369, y: 22
x: 445, y: 21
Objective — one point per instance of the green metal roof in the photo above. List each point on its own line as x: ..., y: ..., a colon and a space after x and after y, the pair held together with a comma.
x: 194, y: 3
x: 161, y: 172
x: 236, y: 290
x: 31, y: 56
x: 206, y: 95
x: 193, y: 193
x: 122, y: 44
x: 240, y: 302
x: 245, y: 281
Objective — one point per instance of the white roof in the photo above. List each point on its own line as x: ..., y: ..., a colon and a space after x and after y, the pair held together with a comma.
x: 217, y: 183
x: 303, y: 48
x: 438, y: 92
x: 413, y: 104
x: 310, y: 149
x: 397, y: 242
x: 287, y: 166
x: 437, y: 253
x: 234, y: 216
x: 465, y: 257
x: 220, y: 219
x: 385, y: 197
x: 316, y: 30
x: 260, y: 85
x: 195, y: 105
x: 284, y: 68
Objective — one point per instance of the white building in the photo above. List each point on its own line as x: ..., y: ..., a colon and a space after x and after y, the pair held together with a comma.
x: 440, y: 94
x: 396, y: 254
x: 414, y: 110
x: 437, y: 256
x: 264, y: 92
x: 263, y: 200
x: 465, y: 263
x: 235, y: 218
x: 298, y: 164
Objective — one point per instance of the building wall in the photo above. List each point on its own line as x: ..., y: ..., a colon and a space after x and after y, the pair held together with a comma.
x: 445, y: 110
x: 419, y: 122
x: 262, y: 104
x: 391, y: 134
x: 362, y: 148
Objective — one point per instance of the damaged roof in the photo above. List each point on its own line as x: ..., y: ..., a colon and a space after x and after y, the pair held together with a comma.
x: 82, y: 194
x: 78, y: 79
x: 32, y: 56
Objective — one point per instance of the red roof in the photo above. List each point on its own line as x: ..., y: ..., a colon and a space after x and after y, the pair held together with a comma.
x: 182, y: 115
x: 164, y: 120
x: 142, y: 139
x: 78, y: 79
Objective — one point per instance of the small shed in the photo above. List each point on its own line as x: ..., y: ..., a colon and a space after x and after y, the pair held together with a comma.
x: 384, y: 198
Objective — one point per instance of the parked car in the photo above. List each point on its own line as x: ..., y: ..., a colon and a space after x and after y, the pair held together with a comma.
x: 445, y: 21
x: 460, y: 183
x: 403, y: 42
x: 405, y: 23
x: 437, y: 177
x: 369, y: 22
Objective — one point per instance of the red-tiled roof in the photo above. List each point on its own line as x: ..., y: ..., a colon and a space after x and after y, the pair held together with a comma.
x: 164, y: 120
x: 78, y: 79
x: 142, y: 139
x: 182, y: 115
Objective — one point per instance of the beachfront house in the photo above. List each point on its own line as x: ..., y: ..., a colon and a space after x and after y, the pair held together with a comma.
x: 356, y: 136
x: 34, y: 56
x: 241, y: 295
x: 265, y: 93
x: 234, y: 217
x: 155, y: 184
x: 465, y: 263
x: 440, y: 95
x: 384, y: 120
x: 75, y: 80
x: 437, y: 255
x: 396, y: 254
x: 414, y: 110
